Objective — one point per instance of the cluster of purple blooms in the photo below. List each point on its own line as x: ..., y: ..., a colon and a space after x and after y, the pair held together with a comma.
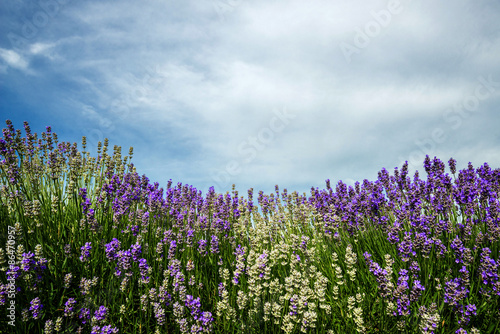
x: 442, y: 219
x: 108, y: 329
x: 204, y: 319
x: 85, y: 256
x: 35, y: 308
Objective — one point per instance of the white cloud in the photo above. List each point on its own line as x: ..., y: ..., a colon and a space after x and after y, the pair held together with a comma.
x: 14, y: 59
x: 195, y: 87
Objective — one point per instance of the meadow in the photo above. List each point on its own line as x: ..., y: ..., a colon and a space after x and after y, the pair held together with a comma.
x: 87, y: 245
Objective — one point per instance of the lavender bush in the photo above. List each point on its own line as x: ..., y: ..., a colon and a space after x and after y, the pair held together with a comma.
x: 87, y: 245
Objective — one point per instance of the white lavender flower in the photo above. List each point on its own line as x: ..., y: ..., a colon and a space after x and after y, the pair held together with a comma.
x: 49, y: 327
x: 351, y: 259
x: 58, y: 324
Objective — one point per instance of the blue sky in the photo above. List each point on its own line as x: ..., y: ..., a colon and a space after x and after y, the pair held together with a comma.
x: 258, y: 93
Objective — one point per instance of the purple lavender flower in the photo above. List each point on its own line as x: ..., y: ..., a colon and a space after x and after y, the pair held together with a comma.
x: 36, y: 307
x: 143, y: 267
x: 214, y: 245
x: 405, y: 248
x: 13, y: 272
x: 69, y: 307
x: 467, y: 311
x: 135, y: 250
x: 402, y: 300
x: 84, y: 315
x: 380, y: 276
x: 4, y: 291
x: 159, y: 313
x: 488, y: 270
x: 189, y: 237
x: 172, y: 249
x: 414, y: 269
x: 206, y: 321
x: 85, y: 252
x: 202, y: 247
x: 441, y: 247
x: 194, y: 306
x: 112, y: 248
x: 27, y: 261
x: 303, y: 245
x: 416, y: 291
x: 454, y: 292
x: 458, y: 247
x: 101, y: 313
x: 393, y: 236
x: 452, y: 163
x: 174, y: 267
x: 104, y: 330
x: 293, y: 305
x: 263, y: 261
x: 124, y: 262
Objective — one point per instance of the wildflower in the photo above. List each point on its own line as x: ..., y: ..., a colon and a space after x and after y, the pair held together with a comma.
x: 87, y: 284
x: 172, y: 249
x: 144, y: 301
x: 112, y: 248
x: 67, y: 280
x: 405, y: 248
x: 189, y: 237
x: 214, y: 245
x: 454, y: 292
x: 178, y: 310
x: 488, y: 271
x: 159, y: 313
x: 123, y: 262
x: 351, y: 260
x: 190, y: 265
x: 84, y: 257
x: 416, y: 291
x: 429, y: 318
x: 458, y: 247
x: 152, y: 294
x: 38, y: 252
x: 58, y: 325
x: 382, y: 276
x: 466, y: 312
x: 27, y: 261
x: 69, y: 307
x: 135, y: 251
x: 49, y: 327
x: 242, y: 300
x: 25, y: 314
x: 414, y: 269
x: 84, y: 315
x: 144, y: 268
x: 159, y: 251
x: 101, y: 313
x: 194, y: 305
x: 123, y: 284
x: 36, y: 307
x: 104, y: 330
x: 67, y: 249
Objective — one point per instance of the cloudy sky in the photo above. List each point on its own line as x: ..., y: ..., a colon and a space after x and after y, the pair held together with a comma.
x: 258, y: 93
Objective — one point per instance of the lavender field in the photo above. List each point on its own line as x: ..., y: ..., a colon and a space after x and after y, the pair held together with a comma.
x: 88, y: 245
